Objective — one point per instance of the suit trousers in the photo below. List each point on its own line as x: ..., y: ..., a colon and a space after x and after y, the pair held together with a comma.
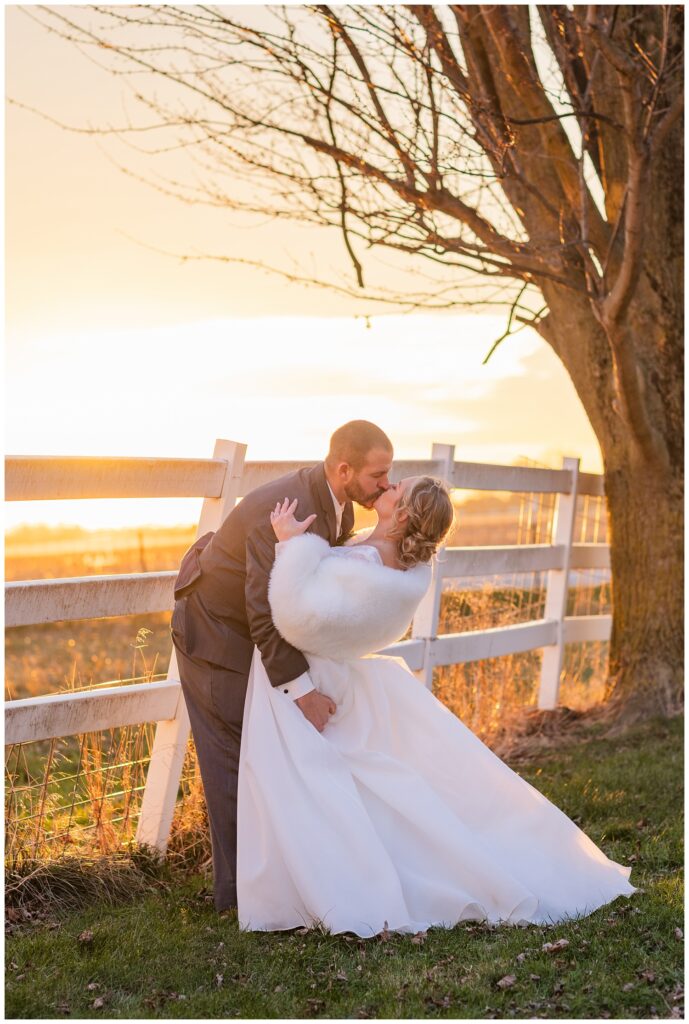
x: 215, y: 698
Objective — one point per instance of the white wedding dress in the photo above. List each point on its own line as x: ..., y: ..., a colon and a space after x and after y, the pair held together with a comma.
x: 395, y: 816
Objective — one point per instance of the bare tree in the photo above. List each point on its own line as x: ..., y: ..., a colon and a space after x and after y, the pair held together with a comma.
x: 530, y: 153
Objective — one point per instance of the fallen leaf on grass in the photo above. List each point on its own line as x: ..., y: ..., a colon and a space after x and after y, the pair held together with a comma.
x: 507, y: 982
x: 15, y: 914
x: 86, y: 937
x: 92, y: 986
x: 628, y: 987
x: 219, y: 980
x: 341, y: 976
x: 555, y: 947
x: 648, y: 976
x: 534, y: 977
x: 442, y: 963
x: 419, y: 938
x: 443, y: 1003
x: 679, y: 934
x: 98, y: 1003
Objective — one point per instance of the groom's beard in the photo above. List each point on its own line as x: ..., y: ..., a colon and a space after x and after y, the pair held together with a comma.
x: 355, y: 492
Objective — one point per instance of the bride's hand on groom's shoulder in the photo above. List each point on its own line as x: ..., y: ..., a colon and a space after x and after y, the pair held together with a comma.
x: 283, y: 522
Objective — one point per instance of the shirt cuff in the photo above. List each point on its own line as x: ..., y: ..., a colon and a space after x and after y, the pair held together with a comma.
x: 297, y: 687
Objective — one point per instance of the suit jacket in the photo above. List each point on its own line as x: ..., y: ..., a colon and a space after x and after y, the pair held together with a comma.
x: 222, y: 607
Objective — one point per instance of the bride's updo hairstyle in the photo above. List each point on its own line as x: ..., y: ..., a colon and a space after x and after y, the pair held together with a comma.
x: 429, y: 517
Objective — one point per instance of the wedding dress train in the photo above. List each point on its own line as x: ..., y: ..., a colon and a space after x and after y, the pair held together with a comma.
x: 396, y: 816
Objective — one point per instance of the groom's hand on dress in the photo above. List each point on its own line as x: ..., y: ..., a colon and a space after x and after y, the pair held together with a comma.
x: 317, y: 708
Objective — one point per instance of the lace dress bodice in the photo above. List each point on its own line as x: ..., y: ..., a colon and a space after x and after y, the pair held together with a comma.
x: 358, y: 550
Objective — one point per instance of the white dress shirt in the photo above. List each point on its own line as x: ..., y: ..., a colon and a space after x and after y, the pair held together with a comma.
x: 296, y: 688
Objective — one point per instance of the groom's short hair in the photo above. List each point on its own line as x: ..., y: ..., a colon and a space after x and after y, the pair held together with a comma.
x: 352, y: 442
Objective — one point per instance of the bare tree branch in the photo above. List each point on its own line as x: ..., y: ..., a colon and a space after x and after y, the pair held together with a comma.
x: 429, y: 132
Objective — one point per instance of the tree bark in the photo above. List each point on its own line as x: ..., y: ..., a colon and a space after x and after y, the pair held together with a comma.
x: 644, y: 492
x: 646, y: 650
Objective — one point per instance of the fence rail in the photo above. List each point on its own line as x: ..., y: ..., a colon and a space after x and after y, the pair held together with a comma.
x: 221, y: 480
x: 67, y: 714
x: 28, y: 603
x: 45, y: 477
x: 32, y: 602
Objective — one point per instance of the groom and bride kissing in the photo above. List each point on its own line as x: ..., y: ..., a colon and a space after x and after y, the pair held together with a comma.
x: 340, y: 792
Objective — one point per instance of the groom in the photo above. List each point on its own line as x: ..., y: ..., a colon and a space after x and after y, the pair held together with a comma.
x: 222, y: 611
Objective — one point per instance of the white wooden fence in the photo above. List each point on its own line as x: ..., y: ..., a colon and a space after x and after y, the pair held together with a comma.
x: 221, y: 480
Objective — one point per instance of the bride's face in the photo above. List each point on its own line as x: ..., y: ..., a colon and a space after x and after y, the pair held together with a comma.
x: 388, y: 502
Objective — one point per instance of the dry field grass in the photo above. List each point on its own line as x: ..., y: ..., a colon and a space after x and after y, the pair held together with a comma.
x: 81, y: 794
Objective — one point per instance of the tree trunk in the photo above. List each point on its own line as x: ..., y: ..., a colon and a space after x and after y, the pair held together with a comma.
x: 646, y: 650
x: 644, y: 494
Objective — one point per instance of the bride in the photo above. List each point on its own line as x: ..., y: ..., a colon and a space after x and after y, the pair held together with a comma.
x: 395, y: 816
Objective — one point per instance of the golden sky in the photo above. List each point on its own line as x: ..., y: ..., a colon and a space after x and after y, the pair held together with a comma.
x: 115, y: 348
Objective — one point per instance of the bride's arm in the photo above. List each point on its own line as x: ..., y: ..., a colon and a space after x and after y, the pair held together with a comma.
x: 340, y: 607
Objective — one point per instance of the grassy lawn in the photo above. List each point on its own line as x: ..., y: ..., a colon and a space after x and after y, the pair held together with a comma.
x: 166, y: 954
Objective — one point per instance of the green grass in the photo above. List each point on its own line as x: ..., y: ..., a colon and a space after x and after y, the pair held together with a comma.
x: 166, y: 954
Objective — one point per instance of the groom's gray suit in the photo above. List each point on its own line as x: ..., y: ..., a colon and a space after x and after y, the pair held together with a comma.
x: 221, y: 612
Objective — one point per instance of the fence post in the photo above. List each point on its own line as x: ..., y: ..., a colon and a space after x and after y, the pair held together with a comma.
x: 425, y: 624
x: 556, y: 590
x: 170, y: 744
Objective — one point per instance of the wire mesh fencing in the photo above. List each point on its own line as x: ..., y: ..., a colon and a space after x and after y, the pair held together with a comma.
x: 487, y: 694
x: 81, y: 795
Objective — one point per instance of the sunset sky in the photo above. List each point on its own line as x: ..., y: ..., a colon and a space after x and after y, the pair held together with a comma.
x: 114, y: 347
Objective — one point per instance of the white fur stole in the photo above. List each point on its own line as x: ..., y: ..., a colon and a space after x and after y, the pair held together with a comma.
x: 340, y: 607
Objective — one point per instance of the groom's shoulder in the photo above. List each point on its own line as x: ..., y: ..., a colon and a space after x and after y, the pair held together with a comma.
x: 295, y: 484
